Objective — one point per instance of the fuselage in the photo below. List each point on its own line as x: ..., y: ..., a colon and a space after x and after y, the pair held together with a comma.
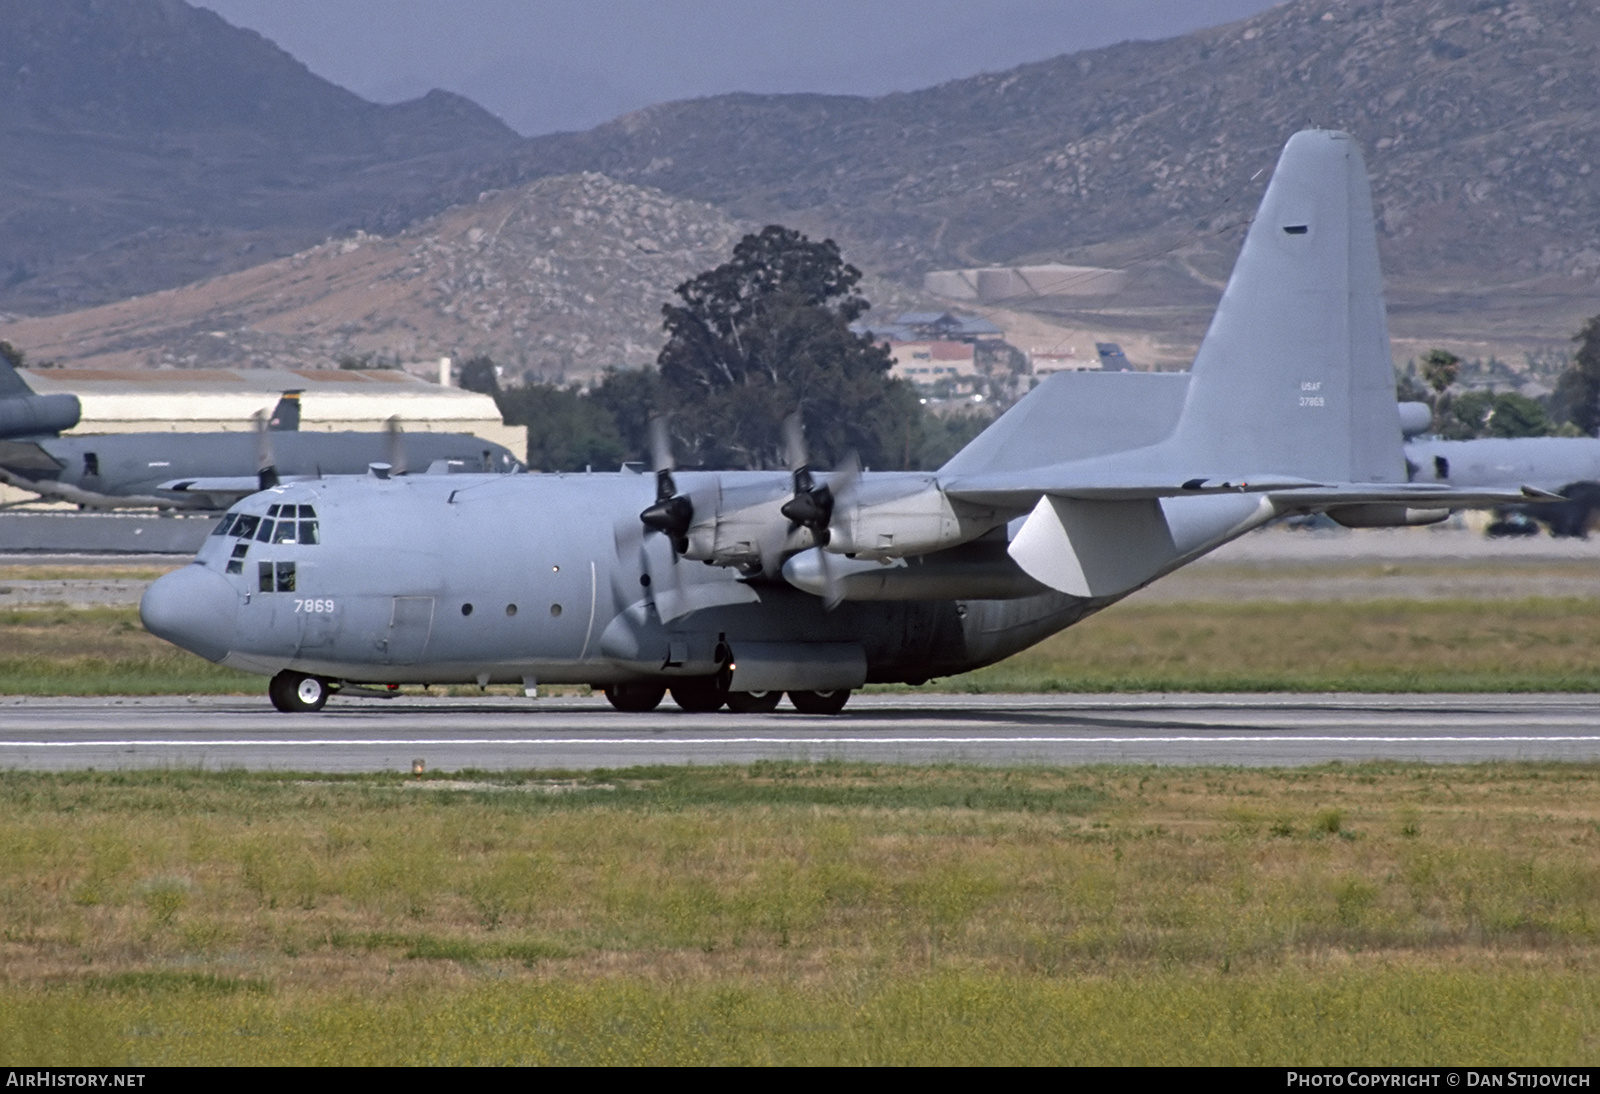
x: 547, y: 578
x: 121, y: 464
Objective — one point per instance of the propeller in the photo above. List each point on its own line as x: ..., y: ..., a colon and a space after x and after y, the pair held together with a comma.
x: 812, y: 504
x: 266, y: 462
x: 394, y: 446
x: 672, y: 513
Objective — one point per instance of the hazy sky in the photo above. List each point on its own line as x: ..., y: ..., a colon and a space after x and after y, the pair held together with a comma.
x: 547, y: 65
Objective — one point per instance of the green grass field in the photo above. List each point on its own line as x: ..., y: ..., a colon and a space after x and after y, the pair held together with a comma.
x: 1398, y: 645
x: 804, y: 914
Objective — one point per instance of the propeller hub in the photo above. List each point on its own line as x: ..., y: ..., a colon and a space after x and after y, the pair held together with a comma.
x: 671, y: 516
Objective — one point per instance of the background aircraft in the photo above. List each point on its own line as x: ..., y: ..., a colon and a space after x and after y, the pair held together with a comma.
x: 212, y: 470
x: 733, y: 587
x: 23, y: 413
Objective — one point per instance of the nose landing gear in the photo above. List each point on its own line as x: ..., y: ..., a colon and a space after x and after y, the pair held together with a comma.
x: 297, y: 693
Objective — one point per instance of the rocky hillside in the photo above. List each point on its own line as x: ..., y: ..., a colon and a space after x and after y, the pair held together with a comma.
x: 1480, y: 121
x: 148, y: 143
x: 562, y: 277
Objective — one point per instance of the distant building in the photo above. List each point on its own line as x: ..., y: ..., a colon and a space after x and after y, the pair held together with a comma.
x: 931, y: 326
x: 1044, y: 362
x: 933, y: 364
x: 223, y: 399
x: 948, y: 326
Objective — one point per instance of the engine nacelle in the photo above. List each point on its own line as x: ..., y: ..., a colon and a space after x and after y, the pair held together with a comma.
x: 1376, y: 515
x: 905, y: 516
x: 742, y: 525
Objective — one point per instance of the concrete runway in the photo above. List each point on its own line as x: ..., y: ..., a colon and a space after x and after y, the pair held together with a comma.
x: 498, y: 733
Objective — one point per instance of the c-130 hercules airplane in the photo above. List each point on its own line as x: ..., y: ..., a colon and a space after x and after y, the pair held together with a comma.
x: 815, y: 584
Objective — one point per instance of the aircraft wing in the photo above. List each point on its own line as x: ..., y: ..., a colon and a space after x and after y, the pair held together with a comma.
x: 238, y: 485
x: 63, y: 491
x: 230, y: 487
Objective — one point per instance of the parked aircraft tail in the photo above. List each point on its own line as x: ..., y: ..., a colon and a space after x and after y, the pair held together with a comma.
x: 286, y: 415
x: 25, y: 414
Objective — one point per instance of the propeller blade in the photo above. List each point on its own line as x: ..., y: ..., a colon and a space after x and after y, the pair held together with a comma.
x: 812, y: 505
x: 394, y: 446
x: 661, y: 445
x: 266, y: 460
x: 794, y: 442
x: 672, y: 513
x: 842, y: 485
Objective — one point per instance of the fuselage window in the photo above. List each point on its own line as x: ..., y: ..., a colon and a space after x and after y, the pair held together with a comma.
x: 236, y: 563
x: 275, y: 577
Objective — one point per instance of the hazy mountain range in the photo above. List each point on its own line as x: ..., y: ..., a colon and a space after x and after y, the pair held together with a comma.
x: 150, y: 144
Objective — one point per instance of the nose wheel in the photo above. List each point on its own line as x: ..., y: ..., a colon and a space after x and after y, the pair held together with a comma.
x: 297, y: 693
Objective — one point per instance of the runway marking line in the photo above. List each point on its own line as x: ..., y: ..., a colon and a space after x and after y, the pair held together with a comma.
x: 668, y: 741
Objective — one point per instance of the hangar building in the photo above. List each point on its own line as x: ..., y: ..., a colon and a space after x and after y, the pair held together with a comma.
x: 226, y: 400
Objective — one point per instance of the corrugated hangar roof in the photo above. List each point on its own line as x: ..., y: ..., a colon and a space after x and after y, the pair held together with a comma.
x: 135, y: 381
x: 123, y: 400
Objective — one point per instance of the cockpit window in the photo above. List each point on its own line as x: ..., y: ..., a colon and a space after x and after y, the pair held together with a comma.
x: 282, y: 524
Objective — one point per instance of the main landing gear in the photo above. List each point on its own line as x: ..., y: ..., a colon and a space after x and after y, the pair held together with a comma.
x: 297, y: 693
x: 705, y: 694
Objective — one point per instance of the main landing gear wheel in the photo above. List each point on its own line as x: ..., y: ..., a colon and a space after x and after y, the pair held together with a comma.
x: 635, y: 697
x: 753, y: 702
x: 820, y: 702
x: 297, y: 693
x: 700, y: 694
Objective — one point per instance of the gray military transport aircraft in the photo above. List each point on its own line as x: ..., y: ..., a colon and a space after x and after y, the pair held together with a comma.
x: 731, y: 588
x: 210, y: 470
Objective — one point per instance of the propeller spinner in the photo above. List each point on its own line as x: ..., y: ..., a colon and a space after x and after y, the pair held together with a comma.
x: 672, y: 513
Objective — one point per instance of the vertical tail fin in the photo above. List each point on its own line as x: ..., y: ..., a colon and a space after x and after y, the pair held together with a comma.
x: 1294, y: 375
x: 286, y: 415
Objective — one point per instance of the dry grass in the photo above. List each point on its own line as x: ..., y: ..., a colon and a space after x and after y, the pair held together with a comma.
x: 1385, y: 645
x: 102, y: 651
x: 817, y: 913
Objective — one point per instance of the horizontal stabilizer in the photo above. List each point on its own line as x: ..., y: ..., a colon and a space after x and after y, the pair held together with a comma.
x: 1020, y: 490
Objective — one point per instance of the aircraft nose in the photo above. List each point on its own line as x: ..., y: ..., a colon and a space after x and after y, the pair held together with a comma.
x: 193, y: 608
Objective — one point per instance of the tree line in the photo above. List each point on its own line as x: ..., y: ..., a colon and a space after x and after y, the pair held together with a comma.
x: 1572, y: 410
x: 764, y: 335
